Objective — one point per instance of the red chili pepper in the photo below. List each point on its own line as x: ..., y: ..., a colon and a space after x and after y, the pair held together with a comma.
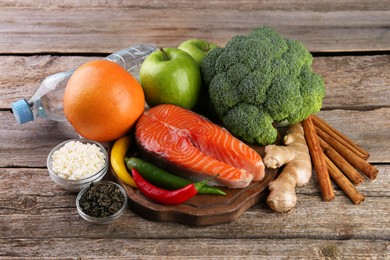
x: 162, y: 196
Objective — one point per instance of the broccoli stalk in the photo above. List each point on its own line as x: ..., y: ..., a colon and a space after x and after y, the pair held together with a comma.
x: 260, y: 79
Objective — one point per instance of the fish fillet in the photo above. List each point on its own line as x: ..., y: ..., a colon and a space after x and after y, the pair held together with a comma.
x: 194, y: 143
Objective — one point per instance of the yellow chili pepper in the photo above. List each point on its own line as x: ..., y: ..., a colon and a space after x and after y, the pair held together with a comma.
x: 118, y: 153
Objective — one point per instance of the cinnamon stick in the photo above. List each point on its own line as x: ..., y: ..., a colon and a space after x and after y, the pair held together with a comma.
x: 341, y: 163
x: 317, y: 157
x: 348, y: 188
x: 362, y: 165
x: 325, y: 127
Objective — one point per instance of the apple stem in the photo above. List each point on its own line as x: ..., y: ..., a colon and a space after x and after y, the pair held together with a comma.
x: 207, y: 47
x: 165, y: 54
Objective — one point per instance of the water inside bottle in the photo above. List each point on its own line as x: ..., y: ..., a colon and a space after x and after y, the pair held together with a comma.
x: 47, y: 102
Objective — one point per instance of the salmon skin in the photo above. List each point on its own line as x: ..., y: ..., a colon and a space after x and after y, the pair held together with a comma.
x: 197, y: 147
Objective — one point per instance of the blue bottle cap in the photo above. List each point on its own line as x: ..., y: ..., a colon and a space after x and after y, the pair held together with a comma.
x: 22, y: 111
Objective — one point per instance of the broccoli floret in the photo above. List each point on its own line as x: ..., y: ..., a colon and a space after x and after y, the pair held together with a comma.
x: 244, y: 119
x: 261, y: 78
x: 222, y: 94
x: 296, y: 56
x: 208, y: 67
x: 253, y: 88
x: 312, y: 92
x: 283, y: 98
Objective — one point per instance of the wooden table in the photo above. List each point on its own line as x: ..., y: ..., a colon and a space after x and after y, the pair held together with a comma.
x: 350, y: 41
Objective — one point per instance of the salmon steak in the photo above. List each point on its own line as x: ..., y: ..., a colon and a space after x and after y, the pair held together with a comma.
x: 196, y: 148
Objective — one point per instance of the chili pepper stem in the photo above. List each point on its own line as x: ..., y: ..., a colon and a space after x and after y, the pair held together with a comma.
x: 199, y: 185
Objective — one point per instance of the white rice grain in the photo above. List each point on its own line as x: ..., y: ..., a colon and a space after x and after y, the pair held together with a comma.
x: 77, y: 160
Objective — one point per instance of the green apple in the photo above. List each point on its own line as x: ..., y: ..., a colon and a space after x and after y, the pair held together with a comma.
x: 170, y: 76
x: 197, y: 48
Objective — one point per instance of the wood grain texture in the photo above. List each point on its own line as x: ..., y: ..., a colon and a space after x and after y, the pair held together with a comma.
x: 20, y: 76
x: 314, y: 5
x: 102, y: 26
x: 31, y: 207
x: 368, y: 129
x: 39, y: 220
x: 355, y: 82
x: 219, y: 248
x: 28, y: 145
x: 352, y: 82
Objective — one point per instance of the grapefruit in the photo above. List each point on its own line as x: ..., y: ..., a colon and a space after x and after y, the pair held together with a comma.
x: 102, y: 101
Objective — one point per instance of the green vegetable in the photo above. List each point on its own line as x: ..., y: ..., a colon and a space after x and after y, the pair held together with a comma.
x: 261, y: 79
x: 165, y: 179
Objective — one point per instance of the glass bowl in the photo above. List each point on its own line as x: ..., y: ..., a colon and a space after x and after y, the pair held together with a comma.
x: 77, y: 185
x: 106, y: 219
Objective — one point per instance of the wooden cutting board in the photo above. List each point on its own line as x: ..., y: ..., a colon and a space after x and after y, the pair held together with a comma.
x: 203, y: 209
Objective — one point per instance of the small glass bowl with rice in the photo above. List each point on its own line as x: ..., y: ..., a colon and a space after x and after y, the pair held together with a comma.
x: 76, y: 163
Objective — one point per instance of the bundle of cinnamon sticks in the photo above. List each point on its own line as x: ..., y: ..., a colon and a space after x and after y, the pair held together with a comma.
x: 336, y: 157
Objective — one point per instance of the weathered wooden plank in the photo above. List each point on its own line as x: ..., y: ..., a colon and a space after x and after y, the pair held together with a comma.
x: 369, y: 129
x: 194, y: 249
x: 20, y: 76
x: 28, y: 145
x: 353, y: 82
x: 314, y: 5
x: 38, y: 220
x: 335, y: 220
x: 36, y: 182
x: 312, y: 219
x: 356, y: 82
x: 31, y: 206
x: 70, y: 29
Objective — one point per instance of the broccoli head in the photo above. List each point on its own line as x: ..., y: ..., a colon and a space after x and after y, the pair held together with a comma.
x: 260, y: 79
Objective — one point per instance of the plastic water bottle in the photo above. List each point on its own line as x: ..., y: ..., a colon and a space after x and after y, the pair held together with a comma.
x: 47, y: 100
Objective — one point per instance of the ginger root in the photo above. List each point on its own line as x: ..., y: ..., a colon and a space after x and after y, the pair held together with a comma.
x: 296, y: 172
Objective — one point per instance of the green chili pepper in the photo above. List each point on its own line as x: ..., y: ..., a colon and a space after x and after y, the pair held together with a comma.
x: 165, y: 179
